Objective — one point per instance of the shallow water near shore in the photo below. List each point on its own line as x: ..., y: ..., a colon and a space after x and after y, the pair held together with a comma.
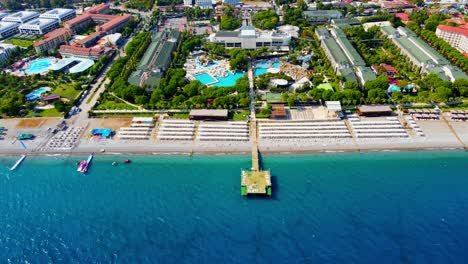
x: 376, y: 207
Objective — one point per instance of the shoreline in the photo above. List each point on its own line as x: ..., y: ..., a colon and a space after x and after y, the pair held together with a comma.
x: 234, y: 152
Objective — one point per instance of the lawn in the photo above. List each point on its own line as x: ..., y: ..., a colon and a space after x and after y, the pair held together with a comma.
x: 66, y: 90
x: 52, y: 112
x: 179, y: 115
x: 241, y: 116
x: 113, y: 105
x: 25, y: 43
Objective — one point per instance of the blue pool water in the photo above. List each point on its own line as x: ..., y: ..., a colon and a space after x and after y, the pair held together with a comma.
x: 262, y: 67
x: 36, y: 94
x: 394, y: 207
x: 260, y: 71
x: 204, y: 78
x: 38, y: 66
x: 229, y: 80
x: 212, y: 64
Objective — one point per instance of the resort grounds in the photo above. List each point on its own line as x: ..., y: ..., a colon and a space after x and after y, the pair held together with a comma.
x: 307, y: 132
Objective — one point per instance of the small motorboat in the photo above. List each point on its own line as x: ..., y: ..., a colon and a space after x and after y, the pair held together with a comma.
x: 114, y: 163
x: 127, y: 161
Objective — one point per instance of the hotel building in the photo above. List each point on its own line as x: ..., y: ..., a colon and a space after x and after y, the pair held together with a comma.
x: 457, y: 37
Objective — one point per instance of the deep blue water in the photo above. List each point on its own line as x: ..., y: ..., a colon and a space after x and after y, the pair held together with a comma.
x: 398, y: 207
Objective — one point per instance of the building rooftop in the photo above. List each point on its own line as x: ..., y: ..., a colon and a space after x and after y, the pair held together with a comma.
x: 40, y: 22
x: 402, y: 16
x: 374, y: 108
x: 325, y: 86
x: 209, y: 112
x: 322, y: 32
x: 366, y: 73
x: 227, y: 34
x: 51, y: 35
x: 22, y: 14
x: 348, y: 74
x: 6, y: 25
x: 348, y: 48
x: 333, y: 105
x: 323, y: 13
x: 335, y: 51
x: 457, y: 30
x: 58, y: 11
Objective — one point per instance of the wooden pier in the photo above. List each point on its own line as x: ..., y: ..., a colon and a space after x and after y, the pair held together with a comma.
x: 255, y: 181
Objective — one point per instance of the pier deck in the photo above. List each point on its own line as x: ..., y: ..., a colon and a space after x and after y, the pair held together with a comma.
x: 255, y: 181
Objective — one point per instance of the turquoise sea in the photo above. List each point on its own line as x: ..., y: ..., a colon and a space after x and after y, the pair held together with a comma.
x: 378, y: 207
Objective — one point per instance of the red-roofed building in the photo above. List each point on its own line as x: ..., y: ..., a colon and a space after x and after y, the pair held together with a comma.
x: 457, y: 37
x: 109, y: 24
x: 98, y: 9
x: 88, y: 53
x: 403, y: 16
x: 389, y: 70
x: 51, y: 98
x: 52, y: 40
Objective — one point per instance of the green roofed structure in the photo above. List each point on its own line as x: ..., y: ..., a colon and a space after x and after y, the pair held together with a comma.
x: 343, y: 57
x: 325, y: 86
x: 322, y: 16
x: 345, y: 22
x: 426, y: 58
x: 156, y: 60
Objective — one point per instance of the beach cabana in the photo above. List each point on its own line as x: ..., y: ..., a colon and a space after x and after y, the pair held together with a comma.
x: 394, y: 88
x: 103, y: 132
x: 25, y: 136
x: 374, y: 110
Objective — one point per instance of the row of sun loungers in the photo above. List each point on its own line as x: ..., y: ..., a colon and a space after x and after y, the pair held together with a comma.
x: 139, y: 133
x: 65, y: 140
x: 303, y: 130
x: 390, y: 128
x: 459, y: 115
x: 223, y: 131
x: 425, y: 114
x: 415, y: 126
x: 175, y: 129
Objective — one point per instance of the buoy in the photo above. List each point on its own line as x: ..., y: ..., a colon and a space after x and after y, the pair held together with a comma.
x: 127, y: 161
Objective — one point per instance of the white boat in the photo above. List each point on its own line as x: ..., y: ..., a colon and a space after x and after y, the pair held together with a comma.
x: 84, y: 165
x: 18, y: 162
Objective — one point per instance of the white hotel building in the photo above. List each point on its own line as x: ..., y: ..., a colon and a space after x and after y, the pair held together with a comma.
x: 457, y: 37
x: 250, y: 38
x: 3, y: 14
x: 39, y: 26
x: 61, y: 14
x: 21, y: 17
x: 8, y: 29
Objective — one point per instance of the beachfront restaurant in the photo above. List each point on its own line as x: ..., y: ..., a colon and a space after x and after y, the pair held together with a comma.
x: 374, y: 110
x: 209, y: 114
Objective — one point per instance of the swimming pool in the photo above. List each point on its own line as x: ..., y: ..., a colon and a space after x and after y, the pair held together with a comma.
x: 263, y: 66
x: 205, y: 78
x: 200, y: 66
x: 36, y: 93
x: 38, y: 66
x: 260, y: 71
x: 229, y: 80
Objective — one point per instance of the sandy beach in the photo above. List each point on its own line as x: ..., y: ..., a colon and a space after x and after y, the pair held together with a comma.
x: 439, y: 134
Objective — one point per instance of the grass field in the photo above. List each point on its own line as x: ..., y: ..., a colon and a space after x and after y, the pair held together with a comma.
x: 66, y: 90
x: 241, y: 116
x: 179, y: 115
x: 25, y: 43
x: 112, y: 105
x: 52, y: 112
